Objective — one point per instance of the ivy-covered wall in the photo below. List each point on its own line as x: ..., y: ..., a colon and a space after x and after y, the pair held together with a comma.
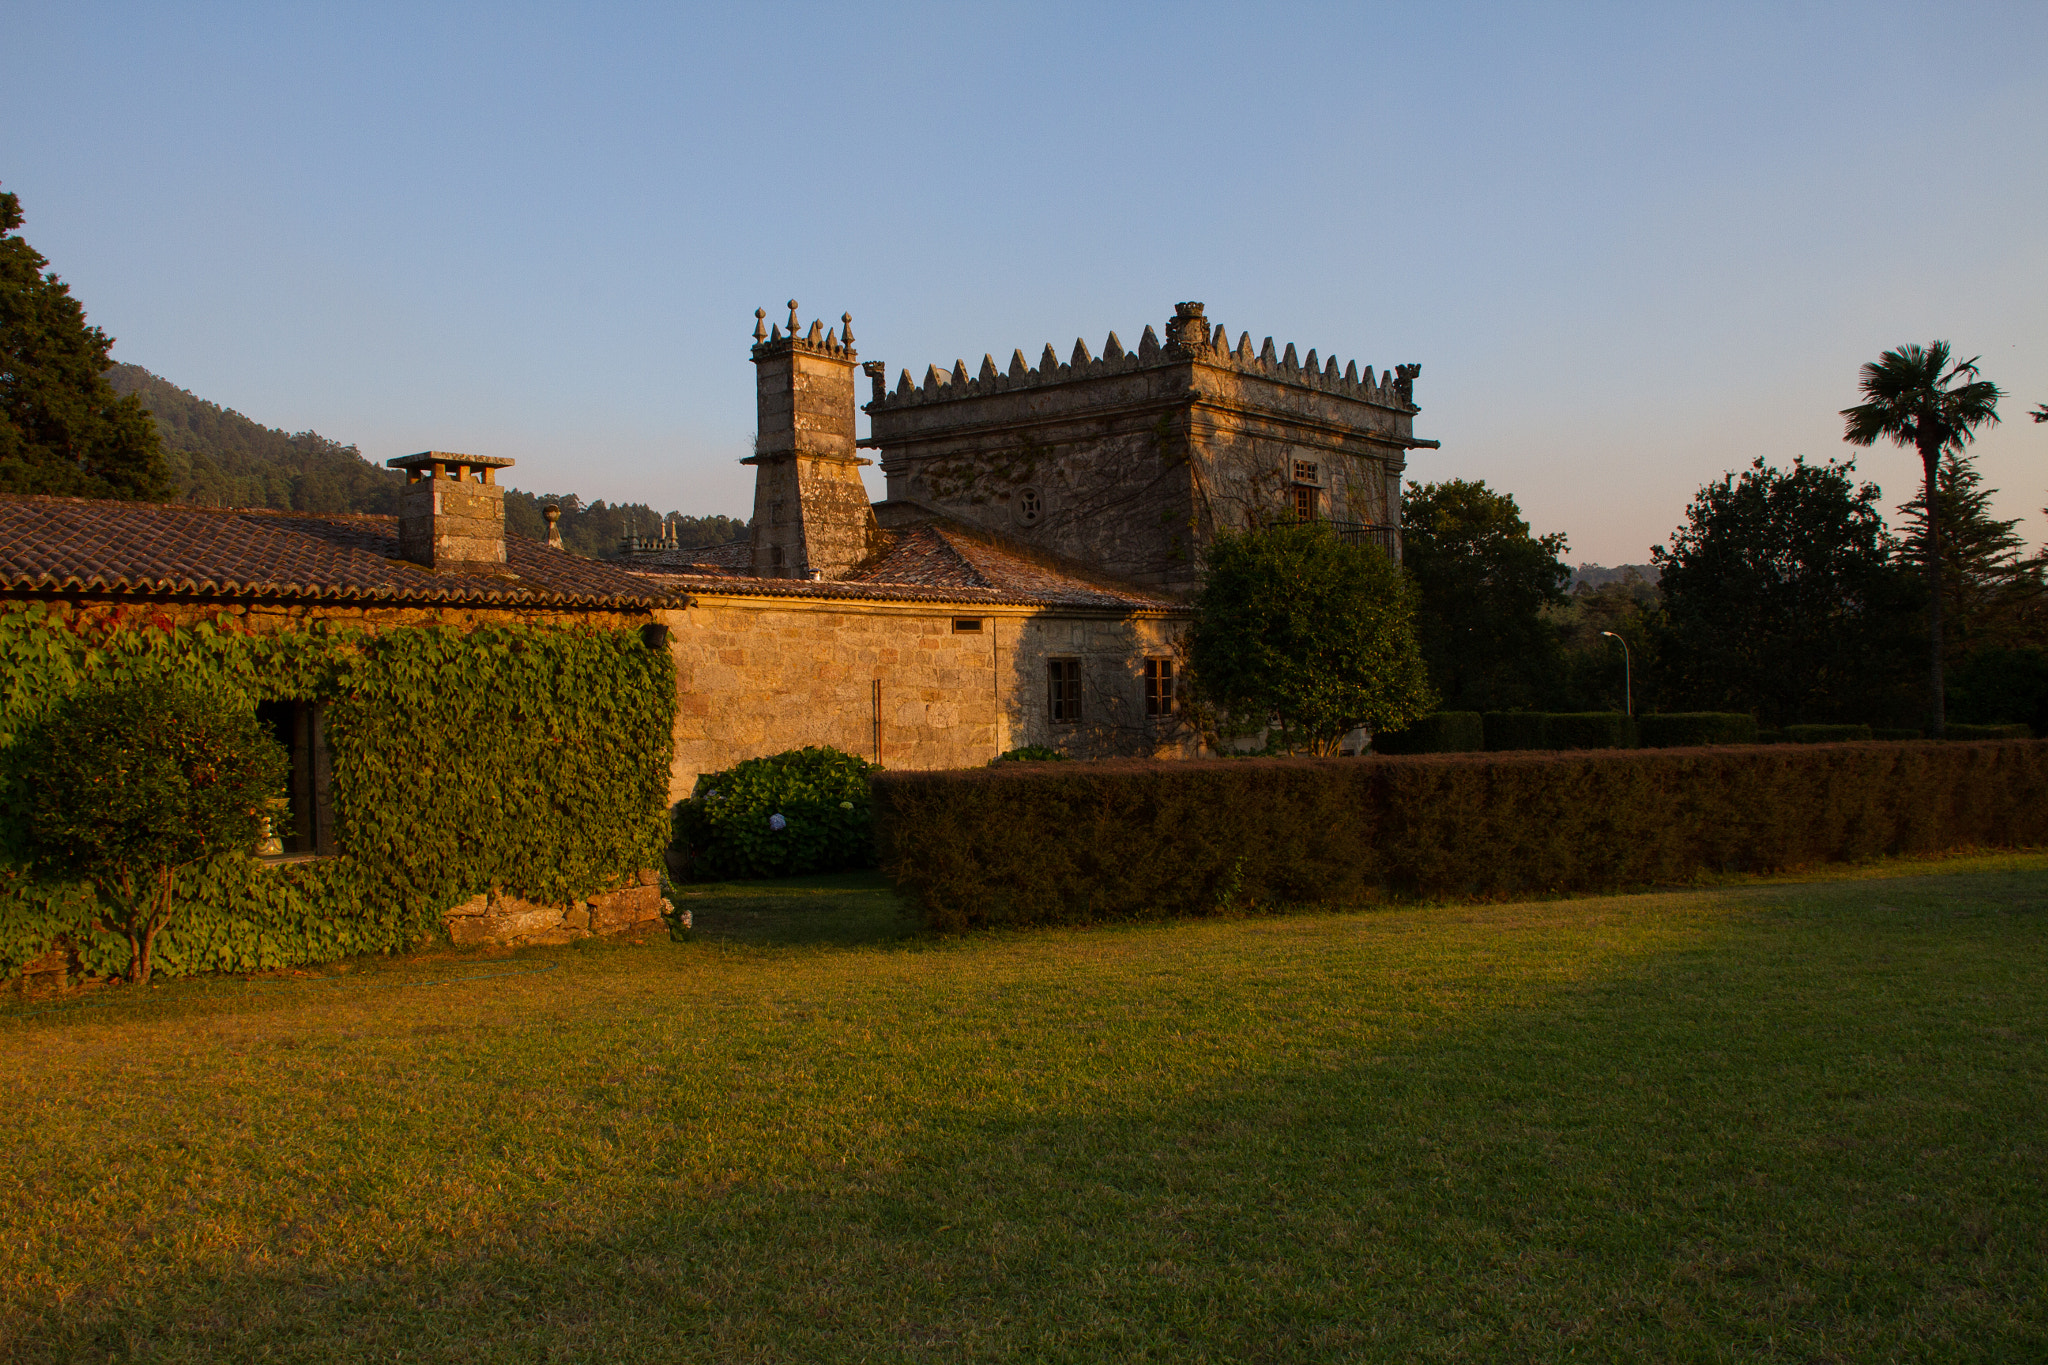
x: 532, y: 757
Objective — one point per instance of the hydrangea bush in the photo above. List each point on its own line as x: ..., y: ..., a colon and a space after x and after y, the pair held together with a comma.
x: 806, y: 810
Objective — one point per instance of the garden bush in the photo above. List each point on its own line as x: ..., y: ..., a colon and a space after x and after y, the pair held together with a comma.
x: 1030, y: 753
x: 1900, y: 732
x: 1971, y: 732
x: 1515, y: 730
x: 1825, y: 734
x: 1070, y: 843
x: 1588, y: 730
x: 1696, y: 729
x: 804, y: 810
x: 1440, y: 732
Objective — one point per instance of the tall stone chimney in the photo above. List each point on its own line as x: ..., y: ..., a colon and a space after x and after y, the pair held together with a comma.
x: 451, y: 512
x: 811, y: 512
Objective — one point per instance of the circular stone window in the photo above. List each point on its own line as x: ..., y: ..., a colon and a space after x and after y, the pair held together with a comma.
x: 1028, y: 506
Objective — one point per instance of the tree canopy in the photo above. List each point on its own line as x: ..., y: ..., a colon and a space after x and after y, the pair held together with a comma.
x: 1483, y: 582
x: 1991, y: 592
x: 62, y: 429
x: 1783, y: 595
x: 1920, y: 396
x: 1294, y: 623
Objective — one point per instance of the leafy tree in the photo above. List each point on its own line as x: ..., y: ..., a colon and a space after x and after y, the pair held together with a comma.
x: 1597, y: 675
x: 125, y: 786
x: 1296, y: 624
x: 62, y: 429
x: 1783, y: 596
x: 1989, y: 589
x: 1483, y: 583
x: 1915, y: 397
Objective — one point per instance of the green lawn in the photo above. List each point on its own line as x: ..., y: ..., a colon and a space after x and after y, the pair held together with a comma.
x: 1795, y: 1121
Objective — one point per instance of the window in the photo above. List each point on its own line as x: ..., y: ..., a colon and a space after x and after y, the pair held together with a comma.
x: 967, y: 625
x: 301, y: 727
x: 1305, y: 471
x: 1158, y: 687
x: 1304, y: 504
x: 1063, y: 691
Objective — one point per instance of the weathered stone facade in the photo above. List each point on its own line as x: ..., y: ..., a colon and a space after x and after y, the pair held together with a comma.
x: 1129, y: 462
x: 497, y: 918
x: 811, y: 512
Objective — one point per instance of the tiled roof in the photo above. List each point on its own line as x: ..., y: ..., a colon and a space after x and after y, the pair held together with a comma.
x: 943, y: 562
x: 153, y: 549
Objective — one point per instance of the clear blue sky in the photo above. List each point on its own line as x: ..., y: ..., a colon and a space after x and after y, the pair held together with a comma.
x: 1632, y: 246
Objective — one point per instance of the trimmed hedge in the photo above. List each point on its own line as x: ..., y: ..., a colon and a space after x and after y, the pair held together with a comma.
x: 1440, y: 732
x: 1900, y: 732
x: 1978, y: 732
x: 1589, y: 730
x: 1696, y: 729
x: 1506, y: 730
x: 1825, y: 734
x: 1070, y: 843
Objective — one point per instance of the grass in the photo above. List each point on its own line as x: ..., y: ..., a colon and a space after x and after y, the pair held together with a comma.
x: 1799, y: 1121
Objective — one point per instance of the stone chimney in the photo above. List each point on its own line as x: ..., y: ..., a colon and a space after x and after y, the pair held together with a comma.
x: 811, y: 512
x: 451, y: 512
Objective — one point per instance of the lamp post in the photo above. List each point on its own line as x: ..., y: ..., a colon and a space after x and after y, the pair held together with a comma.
x: 1628, y: 682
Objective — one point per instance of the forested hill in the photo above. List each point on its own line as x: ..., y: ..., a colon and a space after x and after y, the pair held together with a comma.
x: 219, y: 458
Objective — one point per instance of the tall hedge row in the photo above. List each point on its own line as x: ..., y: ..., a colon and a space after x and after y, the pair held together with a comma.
x: 1070, y: 843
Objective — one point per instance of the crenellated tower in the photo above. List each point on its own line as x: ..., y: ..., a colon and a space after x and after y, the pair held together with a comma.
x: 811, y: 512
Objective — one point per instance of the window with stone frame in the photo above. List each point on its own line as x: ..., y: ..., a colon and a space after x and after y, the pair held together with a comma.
x: 307, y: 826
x: 1304, y: 504
x: 1159, y: 687
x: 1063, y: 690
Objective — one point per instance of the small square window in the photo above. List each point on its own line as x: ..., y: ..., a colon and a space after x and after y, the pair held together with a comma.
x: 967, y: 625
x: 1158, y: 687
x: 1304, y: 471
x: 1063, y: 690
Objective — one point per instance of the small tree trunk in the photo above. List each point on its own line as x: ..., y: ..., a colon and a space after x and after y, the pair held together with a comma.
x: 1937, y: 699
x: 145, y: 939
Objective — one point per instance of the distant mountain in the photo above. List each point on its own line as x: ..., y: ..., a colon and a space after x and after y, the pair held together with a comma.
x: 219, y: 458
x: 1597, y: 576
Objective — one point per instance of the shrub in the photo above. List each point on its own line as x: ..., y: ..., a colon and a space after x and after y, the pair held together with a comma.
x: 1030, y: 753
x: 1978, y: 732
x: 1588, y: 730
x: 1440, y: 732
x: 1516, y: 730
x: 124, y: 787
x: 1696, y: 729
x: 1883, y: 732
x: 1825, y: 734
x: 1770, y: 736
x: 1069, y: 843
x: 806, y: 810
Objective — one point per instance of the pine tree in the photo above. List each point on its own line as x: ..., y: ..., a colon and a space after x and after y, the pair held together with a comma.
x: 1989, y: 588
x: 62, y: 429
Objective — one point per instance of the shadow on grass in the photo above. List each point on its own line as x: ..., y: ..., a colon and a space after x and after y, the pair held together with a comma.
x: 844, y: 908
x: 1727, y: 1150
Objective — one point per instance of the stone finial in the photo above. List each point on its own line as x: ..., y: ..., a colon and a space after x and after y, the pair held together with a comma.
x: 554, y: 516
x: 1081, y: 356
x: 1148, y: 345
x: 1018, y: 369
x: 1187, y: 328
x: 760, y: 324
x: 846, y: 329
x: 1048, y: 362
x: 792, y: 318
x: 988, y: 371
x: 878, y: 377
x: 1112, y: 349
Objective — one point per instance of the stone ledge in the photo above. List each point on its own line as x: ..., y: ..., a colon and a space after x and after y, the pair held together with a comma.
x: 497, y: 918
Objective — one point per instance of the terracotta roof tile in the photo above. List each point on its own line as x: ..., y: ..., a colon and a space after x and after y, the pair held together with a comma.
x: 154, y: 549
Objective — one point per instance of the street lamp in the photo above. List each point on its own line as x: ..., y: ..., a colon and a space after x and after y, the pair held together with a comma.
x: 1628, y: 682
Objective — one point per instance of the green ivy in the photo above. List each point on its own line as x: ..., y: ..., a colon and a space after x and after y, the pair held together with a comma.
x: 529, y: 757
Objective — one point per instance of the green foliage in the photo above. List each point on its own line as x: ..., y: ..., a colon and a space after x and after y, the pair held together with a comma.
x: 1983, y: 732
x: 2003, y: 685
x: 1051, y: 844
x: 1597, y: 674
x: 1029, y: 753
x: 1506, y: 730
x: 62, y: 430
x: 1589, y: 730
x: 727, y: 828
x: 1482, y: 585
x: 1695, y: 729
x: 219, y: 458
x: 1292, y: 622
x: 124, y: 786
x: 1825, y: 734
x: 1783, y: 598
x: 530, y: 757
x: 1439, y: 732
x: 1896, y: 732
x: 1991, y: 594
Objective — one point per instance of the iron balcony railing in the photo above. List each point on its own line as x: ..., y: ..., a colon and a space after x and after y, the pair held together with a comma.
x: 1365, y: 533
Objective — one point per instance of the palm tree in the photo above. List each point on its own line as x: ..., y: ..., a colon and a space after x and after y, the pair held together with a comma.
x: 1915, y: 400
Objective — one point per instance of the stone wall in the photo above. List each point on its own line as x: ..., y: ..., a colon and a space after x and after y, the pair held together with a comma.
x: 497, y: 918
x: 447, y: 523
x: 759, y: 675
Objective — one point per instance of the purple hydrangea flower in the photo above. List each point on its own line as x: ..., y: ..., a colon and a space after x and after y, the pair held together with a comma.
x: 777, y: 823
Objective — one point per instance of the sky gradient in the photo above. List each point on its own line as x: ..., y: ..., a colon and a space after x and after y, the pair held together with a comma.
x: 1633, y: 247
